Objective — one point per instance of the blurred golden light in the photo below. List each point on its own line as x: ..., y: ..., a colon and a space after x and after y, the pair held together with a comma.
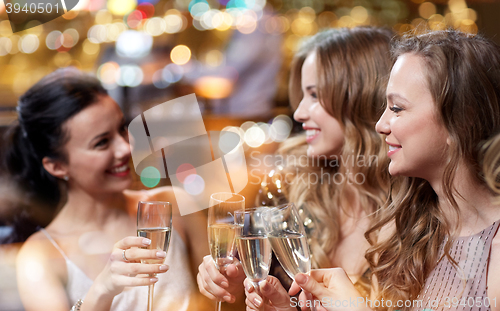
x: 213, y: 87
x: 214, y: 58
x: 35, y: 28
x: 173, y: 23
x: 469, y: 26
x: 70, y: 14
x: 103, y: 17
x: 180, y: 54
x: 471, y: 14
x: 15, y: 44
x: 359, y: 14
x: 417, y: 1
x: 292, y: 42
x: 62, y: 59
x: 155, y: 26
x: 307, y: 14
x: 5, y: 46
x: 327, y: 19
x: 28, y: 44
x: 5, y: 29
x: 419, y: 23
x: 437, y: 22
x: 427, y: 9
x: 70, y: 38
x: 302, y: 28
x: 346, y: 21
x: 109, y: 73
x: 121, y: 7
x: 90, y: 48
x: 255, y: 137
x: 456, y: 6
x: 114, y: 30
x: 226, y: 23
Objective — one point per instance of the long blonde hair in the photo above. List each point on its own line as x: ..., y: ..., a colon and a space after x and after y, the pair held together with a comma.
x: 463, y: 75
x: 353, y: 67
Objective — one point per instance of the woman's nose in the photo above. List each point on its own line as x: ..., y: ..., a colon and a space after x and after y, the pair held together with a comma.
x: 122, y: 147
x: 383, y: 125
x: 302, y: 112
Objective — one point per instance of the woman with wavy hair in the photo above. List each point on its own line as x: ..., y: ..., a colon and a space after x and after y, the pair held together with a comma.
x: 438, y: 247
x: 69, y: 152
x: 337, y: 87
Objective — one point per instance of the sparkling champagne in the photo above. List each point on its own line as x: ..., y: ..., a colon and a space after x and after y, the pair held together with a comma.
x: 221, y: 237
x: 292, y: 252
x: 255, y: 256
x: 160, y: 239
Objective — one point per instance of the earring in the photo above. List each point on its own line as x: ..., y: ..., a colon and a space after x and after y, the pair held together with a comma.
x: 66, y: 178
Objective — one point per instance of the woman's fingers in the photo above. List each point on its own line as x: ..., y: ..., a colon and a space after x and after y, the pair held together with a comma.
x: 136, y: 254
x: 212, y: 282
x: 123, y: 268
x: 132, y: 241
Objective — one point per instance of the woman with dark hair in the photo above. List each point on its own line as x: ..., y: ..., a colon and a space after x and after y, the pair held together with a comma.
x: 70, y: 149
x: 438, y: 246
x: 337, y: 84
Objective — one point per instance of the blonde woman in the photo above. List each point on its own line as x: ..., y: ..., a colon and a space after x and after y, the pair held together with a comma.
x: 337, y: 88
x: 438, y: 247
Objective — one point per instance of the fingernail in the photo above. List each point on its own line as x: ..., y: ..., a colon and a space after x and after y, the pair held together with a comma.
x: 257, y: 302
x: 248, y: 286
x: 301, y: 279
x: 224, y: 284
x: 163, y: 268
x: 161, y: 254
x: 227, y: 298
x: 146, y: 241
x: 153, y: 280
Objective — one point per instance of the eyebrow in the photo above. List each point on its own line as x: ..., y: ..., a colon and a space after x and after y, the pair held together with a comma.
x: 309, y: 87
x: 393, y: 96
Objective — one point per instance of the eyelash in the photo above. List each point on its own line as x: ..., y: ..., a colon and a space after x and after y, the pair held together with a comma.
x: 102, y: 142
x: 395, y: 109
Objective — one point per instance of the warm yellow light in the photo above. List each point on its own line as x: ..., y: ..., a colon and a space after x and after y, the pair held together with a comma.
x: 359, y: 14
x: 456, y: 6
x: 213, y: 87
x: 180, y: 55
x: 121, y: 7
x: 307, y: 14
x: 103, y: 17
x: 214, y: 58
x: 90, y: 48
x: 426, y: 10
x: 327, y: 19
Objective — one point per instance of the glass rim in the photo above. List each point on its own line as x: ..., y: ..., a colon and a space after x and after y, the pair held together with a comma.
x: 282, y: 206
x: 252, y: 209
x: 154, y: 202
x: 232, y: 195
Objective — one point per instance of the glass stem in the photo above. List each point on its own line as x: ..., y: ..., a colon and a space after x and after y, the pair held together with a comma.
x: 218, y: 305
x: 151, y: 290
x: 258, y: 292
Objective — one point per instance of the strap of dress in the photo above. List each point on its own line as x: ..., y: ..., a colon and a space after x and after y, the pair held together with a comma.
x: 54, y: 243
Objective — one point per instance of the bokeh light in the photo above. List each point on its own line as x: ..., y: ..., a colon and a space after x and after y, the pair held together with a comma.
x: 180, y: 54
x: 150, y: 176
x: 194, y: 184
x: 121, y: 7
x: 28, y: 44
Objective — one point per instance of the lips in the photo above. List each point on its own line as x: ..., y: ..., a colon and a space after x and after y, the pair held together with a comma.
x: 393, y: 148
x: 311, y: 134
x: 119, y: 170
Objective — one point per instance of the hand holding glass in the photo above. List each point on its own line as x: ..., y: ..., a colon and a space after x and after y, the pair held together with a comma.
x: 154, y: 221
x: 222, y: 229
x: 253, y: 245
x: 286, y: 233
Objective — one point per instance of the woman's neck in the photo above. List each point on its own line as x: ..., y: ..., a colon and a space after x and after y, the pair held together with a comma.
x: 474, y: 201
x: 91, y: 211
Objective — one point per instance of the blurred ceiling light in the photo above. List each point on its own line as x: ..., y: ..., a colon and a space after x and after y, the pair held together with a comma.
x: 213, y: 87
x: 90, y: 48
x: 53, y: 40
x: 155, y: 26
x: 359, y: 14
x: 214, y: 58
x: 28, y: 44
x: 134, y: 44
x: 130, y: 75
x: 5, y: 46
x: 108, y: 73
x: 103, y: 17
x: 255, y: 137
x: 426, y: 10
x: 121, y: 7
x: 70, y: 38
x: 173, y: 23
x: 180, y: 54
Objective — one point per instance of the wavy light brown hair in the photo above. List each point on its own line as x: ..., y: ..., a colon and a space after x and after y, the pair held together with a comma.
x: 353, y: 67
x: 463, y: 75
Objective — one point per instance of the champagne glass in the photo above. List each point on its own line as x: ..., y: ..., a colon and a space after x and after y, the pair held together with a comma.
x: 253, y: 245
x: 222, y: 229
x: 286, y: 233
x: 154, y: 221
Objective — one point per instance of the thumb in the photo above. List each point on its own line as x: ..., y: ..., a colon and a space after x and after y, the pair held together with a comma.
x: 235, y: 270
x: 310, y: 285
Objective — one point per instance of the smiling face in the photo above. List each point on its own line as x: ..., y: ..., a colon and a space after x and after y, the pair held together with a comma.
x: 325, y: 136
x: 417, y: 139
x: 98, y: 151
